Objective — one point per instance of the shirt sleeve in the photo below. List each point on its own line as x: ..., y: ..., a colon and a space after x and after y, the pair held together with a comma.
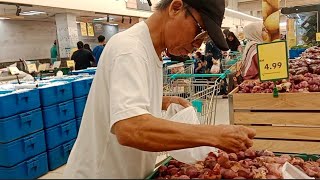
x: 129, y: 88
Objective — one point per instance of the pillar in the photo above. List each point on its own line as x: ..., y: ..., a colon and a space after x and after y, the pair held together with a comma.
x: 67, y: 33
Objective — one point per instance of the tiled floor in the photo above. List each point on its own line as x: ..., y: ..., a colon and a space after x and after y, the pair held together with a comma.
x: 222, y: 117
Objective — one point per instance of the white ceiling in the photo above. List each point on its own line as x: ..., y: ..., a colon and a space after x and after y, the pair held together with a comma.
x: 84, y: 16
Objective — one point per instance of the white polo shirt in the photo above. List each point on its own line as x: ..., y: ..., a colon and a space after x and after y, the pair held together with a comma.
x: 128, y: 83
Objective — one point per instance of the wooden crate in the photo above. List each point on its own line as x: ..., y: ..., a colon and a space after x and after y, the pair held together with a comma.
x: 287, y: 124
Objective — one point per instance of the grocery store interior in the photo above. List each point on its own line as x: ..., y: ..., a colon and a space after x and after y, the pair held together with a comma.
x: 131, y: 89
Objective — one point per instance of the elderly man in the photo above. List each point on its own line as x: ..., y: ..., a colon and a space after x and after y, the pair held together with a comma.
x: 122, y: 127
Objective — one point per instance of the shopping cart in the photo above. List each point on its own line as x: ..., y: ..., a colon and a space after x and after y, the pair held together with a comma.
x: 201, y: 90
x: 187, y: 67
x: 232, y: 58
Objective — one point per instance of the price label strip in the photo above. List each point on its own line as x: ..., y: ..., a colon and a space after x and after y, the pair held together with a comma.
x: 273, y: 61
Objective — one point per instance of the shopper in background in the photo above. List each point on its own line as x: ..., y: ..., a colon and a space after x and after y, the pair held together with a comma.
x: 54, y: 52
x: 200, y: 63
x: 87, y: 47
x: 233, y: 42
x: 82, y: 57
x: 253, y: 33
x: 226, y: 32
x: 98, y: 49
x: 121, y: 127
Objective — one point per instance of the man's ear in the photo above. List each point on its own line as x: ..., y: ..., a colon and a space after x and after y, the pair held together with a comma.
x: 175, y: 7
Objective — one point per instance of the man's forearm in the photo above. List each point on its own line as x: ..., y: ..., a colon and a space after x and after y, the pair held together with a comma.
x: 148, y: 133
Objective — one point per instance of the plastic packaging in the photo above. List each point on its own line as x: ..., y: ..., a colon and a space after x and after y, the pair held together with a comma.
x: 291, y: 172
x: 178, y: 113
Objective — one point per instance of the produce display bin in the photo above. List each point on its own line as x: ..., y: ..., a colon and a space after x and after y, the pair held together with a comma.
x: 305, y: 157
x: 21, y: 149
x: 287, y: 124
x: 60, y: 134
x: 79, y: 105
x: 59, y: 155
x: 59, y: 113
x: 81, y: 87
x: 16, y: 102
x: 20, y: 125
x: 30, y: 169
x: 53, y: 94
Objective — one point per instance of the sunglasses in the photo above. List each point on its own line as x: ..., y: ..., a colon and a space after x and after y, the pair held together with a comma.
x: 203, y: 34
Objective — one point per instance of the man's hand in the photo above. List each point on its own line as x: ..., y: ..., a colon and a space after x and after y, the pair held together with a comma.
x: 167, y: 100
x: 232, y: 138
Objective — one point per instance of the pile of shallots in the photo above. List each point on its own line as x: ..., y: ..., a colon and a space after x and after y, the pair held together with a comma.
x: 304, y: 76
x: 243, y: 165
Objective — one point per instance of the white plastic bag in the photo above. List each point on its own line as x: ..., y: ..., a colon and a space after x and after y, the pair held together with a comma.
x: 291, y: 172
x: 215, y: 69
x: 178, y: 113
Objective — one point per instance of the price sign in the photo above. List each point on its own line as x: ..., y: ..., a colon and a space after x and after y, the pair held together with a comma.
x: 42, y: 67
x: 32, y: 68
x: 70, y: 64
x: 318, y: 36
x: 14, y: 70
x: 56, y: 64
x: 273, y: 61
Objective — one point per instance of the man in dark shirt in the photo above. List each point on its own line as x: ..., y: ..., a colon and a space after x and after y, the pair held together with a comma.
x: 82, y: 57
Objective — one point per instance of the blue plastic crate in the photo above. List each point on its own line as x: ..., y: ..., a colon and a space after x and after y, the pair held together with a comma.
x: 50, y: 94
x: 21, y: 149
x: 60, y: 134
x: 81, y: 87
x: 57, y: 114
x: 16, y: 102
x: 59, y: 155
x: 79, y: 105
x: 30, y: 169
x: 20, y: 125
x: 79, y: 119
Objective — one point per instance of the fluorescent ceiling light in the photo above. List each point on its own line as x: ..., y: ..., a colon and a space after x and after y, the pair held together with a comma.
x: 31, y: 13
x: 243, y: 14
x: 3, y: 18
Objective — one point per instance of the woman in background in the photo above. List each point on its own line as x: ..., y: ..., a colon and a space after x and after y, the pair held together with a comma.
x: 200, y: 63
x: 233, y: 42
x: 87, y: 47
x: 254, y: 34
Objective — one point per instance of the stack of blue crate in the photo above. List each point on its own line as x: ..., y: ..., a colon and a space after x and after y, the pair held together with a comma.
x: 59, y: 121
x: 22, y: 140
x: 81, y: 88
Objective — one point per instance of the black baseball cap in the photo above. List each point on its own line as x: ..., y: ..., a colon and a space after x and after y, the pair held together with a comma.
x: 212, y: 13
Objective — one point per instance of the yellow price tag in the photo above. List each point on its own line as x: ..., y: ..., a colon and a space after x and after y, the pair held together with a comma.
x: 71, y: 64
x: 273, y: 61
x: 42, y: 67
x: 32, y: 68
x: 14, y: 70
x: 318, y: 36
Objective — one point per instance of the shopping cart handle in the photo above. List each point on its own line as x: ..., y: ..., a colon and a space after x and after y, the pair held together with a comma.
x: 177, y: 76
